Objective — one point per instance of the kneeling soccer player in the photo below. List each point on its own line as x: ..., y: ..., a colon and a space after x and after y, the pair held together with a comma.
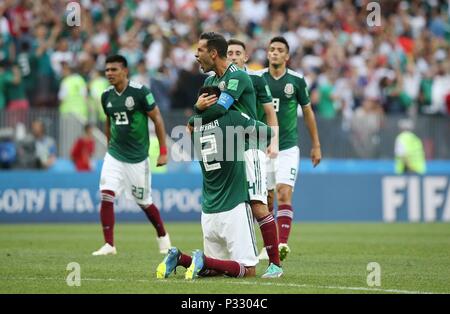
x: 227, y: 221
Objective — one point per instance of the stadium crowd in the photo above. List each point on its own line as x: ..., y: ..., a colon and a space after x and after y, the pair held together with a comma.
x: 399, y: 66
x: 354, y: 69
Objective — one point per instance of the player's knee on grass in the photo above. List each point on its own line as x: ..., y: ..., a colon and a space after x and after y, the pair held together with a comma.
x: 284, y: 194
x: 250, y: 271
x: 259, y: 209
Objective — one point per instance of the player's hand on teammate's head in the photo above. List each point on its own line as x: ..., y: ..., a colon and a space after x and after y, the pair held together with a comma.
x: 205, y: 101
x: 162, y: 160
x: 316, y: 155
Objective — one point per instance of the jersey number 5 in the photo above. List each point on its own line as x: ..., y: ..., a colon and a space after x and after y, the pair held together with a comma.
x: 276, y: 104
x: 212, y: 149
x: 121, y: 118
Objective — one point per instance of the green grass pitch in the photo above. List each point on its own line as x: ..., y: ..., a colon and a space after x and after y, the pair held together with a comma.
x: 325, y: 258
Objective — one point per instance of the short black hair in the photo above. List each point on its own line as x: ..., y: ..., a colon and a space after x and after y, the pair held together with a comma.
x: 210, y: 90
x: 117, y: 58
x: 280, y: 39
x: 217, y: 42
x: 234, y: 41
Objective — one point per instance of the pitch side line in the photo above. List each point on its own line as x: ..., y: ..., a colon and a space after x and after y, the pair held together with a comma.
x: 177, y: 281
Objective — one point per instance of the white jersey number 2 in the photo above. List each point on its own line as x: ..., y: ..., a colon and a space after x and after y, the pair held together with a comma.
x: 212, y: 149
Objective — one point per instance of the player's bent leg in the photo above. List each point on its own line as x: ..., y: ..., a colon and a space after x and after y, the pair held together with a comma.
x: 285, y: 216
x: 197, y: 265
x: 203, y: 266
x: 170, y: 262
x: 250, y: 271
x: 268, y: 228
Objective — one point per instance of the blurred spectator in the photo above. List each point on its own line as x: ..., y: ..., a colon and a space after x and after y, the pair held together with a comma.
x: 4, y: 78
x: 186, y: 88
x: 61, y: 55
x: 366, y: 125
x: 17, y: 102
x: 142, y: 75
x: 73, y: 94
x: 409, y: 151
x: 8, y: 152
x: 45, y: 90
x: 327, y: 102
x: 97, y: 85
x: 83, y: 150
x: 409, y: 49
x: 37, y: 150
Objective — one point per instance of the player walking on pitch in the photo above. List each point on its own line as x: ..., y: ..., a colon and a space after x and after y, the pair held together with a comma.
x: 128, y: 105
x: 288, y: 89
x: 237, y: 54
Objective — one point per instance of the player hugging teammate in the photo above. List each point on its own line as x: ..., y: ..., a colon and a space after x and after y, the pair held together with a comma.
x: 244, y: 98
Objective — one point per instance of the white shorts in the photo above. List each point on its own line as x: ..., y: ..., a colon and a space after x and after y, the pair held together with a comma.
x: 288, y: 161
x: 133, y: 179
x: 230, y: 235
x: 255, y: 167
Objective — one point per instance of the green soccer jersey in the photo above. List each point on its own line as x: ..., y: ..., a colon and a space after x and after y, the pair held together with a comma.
x: 127, y: 114
x: 262, y: 92
x: 222, y: 159
x: 287, y: 91
x: 238, y: 85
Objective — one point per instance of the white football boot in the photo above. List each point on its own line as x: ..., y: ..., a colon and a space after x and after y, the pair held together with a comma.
x: 164, y: 243
x: 106, y: 249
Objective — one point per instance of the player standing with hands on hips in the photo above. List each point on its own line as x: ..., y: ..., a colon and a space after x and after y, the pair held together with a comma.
x: 128, y: 105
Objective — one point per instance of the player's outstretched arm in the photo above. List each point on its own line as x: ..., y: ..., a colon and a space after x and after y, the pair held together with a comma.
x: 157, y: 119
x: 310, y: 120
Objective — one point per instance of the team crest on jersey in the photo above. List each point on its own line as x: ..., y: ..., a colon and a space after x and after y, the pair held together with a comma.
x: 222, y: 86
x: 109, y: 105
x: 289, y: 90
x: 129, y: 103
